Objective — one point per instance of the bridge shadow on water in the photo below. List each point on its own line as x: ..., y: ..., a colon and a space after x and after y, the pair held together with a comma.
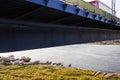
x: 13, y: 38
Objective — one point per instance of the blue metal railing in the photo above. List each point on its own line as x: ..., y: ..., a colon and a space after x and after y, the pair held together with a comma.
x: 57, y: 4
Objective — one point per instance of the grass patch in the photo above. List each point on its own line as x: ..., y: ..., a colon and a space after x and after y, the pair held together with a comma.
x: 37, y: 72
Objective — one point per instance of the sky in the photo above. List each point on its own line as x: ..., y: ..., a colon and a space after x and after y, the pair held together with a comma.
x: 108, y: 2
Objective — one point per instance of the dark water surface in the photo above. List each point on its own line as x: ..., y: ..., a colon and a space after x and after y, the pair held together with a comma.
x: 96, y: 57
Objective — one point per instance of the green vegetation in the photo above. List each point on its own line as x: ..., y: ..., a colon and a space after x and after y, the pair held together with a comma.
x: 39, y: 72
x: 91, y: 8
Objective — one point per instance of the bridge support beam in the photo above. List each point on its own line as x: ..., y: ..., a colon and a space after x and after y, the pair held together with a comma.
x: 33, y: 36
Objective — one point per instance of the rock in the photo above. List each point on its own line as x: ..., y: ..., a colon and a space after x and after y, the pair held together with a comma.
x: 18, y: 62
x: 48, y: 63
x: 108, y: 75
x: 54, y: 63
x: 97, y: 73
x: 59, y: 64
x: 36, y: 62
x: 25, y: 59
x: 104, y: 73
x: 0, y: 60
x: 69, y: 65
x: 11, y: 58
x: 62, y: 65
x: 4, y: 59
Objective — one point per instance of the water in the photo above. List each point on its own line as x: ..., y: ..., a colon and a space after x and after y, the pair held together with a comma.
x: 96, y: 57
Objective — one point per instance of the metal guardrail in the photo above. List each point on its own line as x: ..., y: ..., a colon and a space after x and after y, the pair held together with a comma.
x: 92, y: 8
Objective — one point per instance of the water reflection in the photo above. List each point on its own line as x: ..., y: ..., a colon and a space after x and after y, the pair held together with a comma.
x: 97, y: 57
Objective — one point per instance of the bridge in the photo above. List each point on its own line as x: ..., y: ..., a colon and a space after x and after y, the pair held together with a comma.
x: 32, y: 24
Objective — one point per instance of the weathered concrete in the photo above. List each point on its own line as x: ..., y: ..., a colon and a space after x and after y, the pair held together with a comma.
x: 31, y: 37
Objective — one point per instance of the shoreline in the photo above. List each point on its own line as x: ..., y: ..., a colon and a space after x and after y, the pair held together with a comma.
x: 107, y: 42
x: 93, y: 57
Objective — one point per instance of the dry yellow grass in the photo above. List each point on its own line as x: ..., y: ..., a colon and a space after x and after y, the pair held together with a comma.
x: 38, y: 72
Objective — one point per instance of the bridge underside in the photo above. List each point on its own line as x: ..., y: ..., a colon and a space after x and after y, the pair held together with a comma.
x: 53, y: 12
x: 14, y: 38
x: 26, y: 25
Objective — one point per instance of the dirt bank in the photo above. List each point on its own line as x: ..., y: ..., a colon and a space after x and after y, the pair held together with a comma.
x: 109, y: 42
